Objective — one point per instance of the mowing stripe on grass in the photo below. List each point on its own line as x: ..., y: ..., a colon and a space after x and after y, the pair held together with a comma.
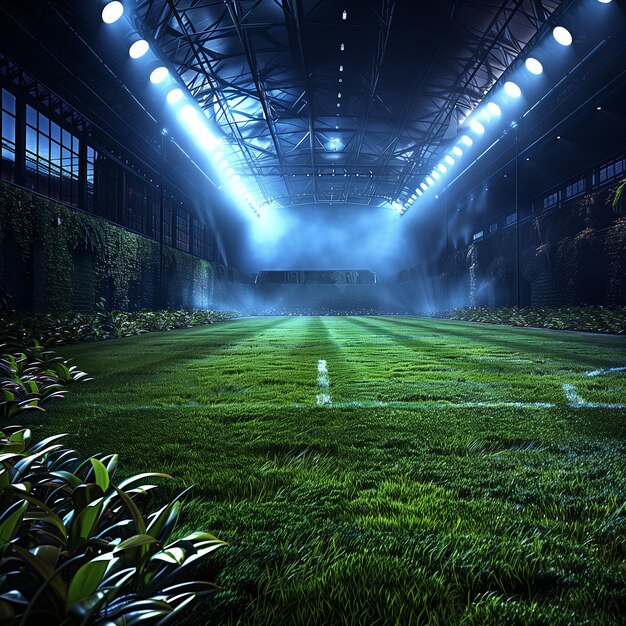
x: 576, y: 402
x: 323, y: 382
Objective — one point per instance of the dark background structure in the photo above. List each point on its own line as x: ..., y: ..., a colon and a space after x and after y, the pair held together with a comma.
x: 102, y: 195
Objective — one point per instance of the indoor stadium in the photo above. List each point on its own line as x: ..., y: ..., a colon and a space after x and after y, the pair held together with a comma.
x: 313, y: 312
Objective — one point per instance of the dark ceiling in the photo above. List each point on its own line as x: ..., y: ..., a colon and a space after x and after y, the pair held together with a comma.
x: 268, y: 75
x: 270, y: 72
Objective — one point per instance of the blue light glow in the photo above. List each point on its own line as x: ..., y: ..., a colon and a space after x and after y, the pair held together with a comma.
x: 112, y: 12
x: 493, y: 109
x: 138, y: 49
x: 534, y: 66
x: 477, y: 127
x: 174, y: 96
x: 158, y: 75
x: 512, y: 89
x: 562, y: 36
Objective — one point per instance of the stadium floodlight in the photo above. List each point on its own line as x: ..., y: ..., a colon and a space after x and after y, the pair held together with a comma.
x: 562, y: 36
x: 442, y: 168
x: 604, y: 1
x: 477, y: 127
x: 218, y: 156
x: 534, y: 66
x: 435, y: 174
x: 224, y: 164
x: 419, y: 192
x: 112, y: 12
x: 429, y: 180
x: 512, y: 89
x: 236, y: 178
x: 493, y: 109
x: 424, y: 186
x: 159, y: 74
x: 138, y: 49
x: 397, y: 207
x: 198, y: 128
x: 467, y: 140
x: 449, y: 160
x: 174, y: 96
x: 229, y: 172
x: 457, y: 151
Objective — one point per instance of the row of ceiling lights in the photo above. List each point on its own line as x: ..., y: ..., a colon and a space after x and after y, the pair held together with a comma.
x: 477, y: 123
x: 192, y: 117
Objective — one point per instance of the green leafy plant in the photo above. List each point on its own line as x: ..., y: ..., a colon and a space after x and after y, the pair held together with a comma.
x: 587, y: 318
x: 50, y: 329
x: 31, y: 375
x: 619, y: 199
x: 77, y: 548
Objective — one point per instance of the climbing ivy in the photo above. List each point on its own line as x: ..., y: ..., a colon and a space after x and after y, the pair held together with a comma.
x: 121, y: 258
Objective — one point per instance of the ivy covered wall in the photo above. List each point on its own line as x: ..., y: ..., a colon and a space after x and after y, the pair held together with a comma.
x: 58, y: 259
x: 571, y: 256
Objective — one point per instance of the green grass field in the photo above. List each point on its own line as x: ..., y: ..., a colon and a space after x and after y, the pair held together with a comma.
x: 427, y: 472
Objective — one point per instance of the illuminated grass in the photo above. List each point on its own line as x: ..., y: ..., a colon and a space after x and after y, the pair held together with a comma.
x: 442, y: 514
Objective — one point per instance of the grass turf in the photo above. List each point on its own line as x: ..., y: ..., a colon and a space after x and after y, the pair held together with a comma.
x: 436, y: 488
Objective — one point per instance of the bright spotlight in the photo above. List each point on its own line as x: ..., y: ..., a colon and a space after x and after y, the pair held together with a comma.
x: 604, y: 1
x: 534, y: 66
x: 419, y: 192
x: 158, y: 75
x: 457, y: 151
x: 424, y: 186
x: 138, y: 49
x: 397, y: 207
x: 112, y: 12
x: 442, y: 168
x: 468, y: 141
x: 512, y: 89
x: 477, y: 127
x: 198, y: 128
x: 223, y: 164
x: 449, y: 160
x: 429, y: 180
x: 174, y: 96
x: 562, y: 36
x: 494, y: 109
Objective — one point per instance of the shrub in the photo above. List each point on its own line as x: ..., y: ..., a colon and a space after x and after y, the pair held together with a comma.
x: 76, y: 548
x: 50, y: 329
x: 586, y: 318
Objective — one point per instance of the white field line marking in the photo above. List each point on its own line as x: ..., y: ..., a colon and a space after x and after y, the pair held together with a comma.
x: 323, y: 383
x: 447, y: 405
x: 576, y: 402
x: 604, y: 372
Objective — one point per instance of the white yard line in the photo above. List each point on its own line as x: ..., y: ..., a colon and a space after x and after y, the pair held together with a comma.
x: 323, y: 384
x: 446, y: 405
x: 604, y: 372
x: 575, y: 401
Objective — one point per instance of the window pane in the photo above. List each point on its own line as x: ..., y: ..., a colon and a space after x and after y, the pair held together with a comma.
x: 44, y: 147
x: 55, y: 153
x: 8, y: 101
x: 31, y: 116
x: 55, y: 131
x: 44, y: 124
x: 31, y: 140
x: 67, y: 139
x: 8, y: 127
